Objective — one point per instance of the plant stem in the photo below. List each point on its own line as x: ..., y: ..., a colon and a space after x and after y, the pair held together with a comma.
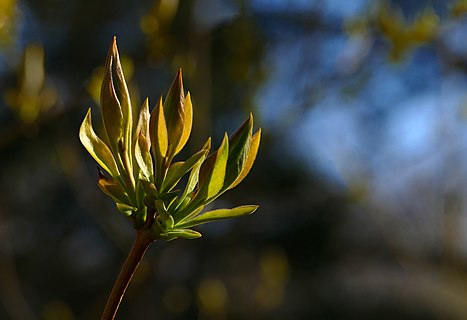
x: 141, y: 244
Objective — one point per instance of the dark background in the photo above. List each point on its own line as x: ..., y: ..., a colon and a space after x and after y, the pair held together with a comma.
x: 361, y: 174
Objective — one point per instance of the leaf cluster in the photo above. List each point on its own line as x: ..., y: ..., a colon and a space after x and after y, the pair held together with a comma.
x: 138, y: 154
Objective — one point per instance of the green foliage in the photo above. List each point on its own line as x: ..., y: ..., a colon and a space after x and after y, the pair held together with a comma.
x: 144, y: 185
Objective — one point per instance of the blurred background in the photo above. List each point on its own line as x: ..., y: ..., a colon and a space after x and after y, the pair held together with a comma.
x: 361, y: 175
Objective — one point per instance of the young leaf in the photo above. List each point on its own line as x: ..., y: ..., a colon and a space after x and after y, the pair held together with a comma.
x: 149, y: 188
x: 217, y: 215
x: 174, y: 109
x: 142, y: 145
x: 166, y: 217
x: 182, y: 233
x: 143, y: 157
x: 185, y: 199
x: 96, y: 147
x: 112, y: 188
x: 170, y: 172
x: 187, y: 124
x: 239, y: 147
x: 212, y: 172
x: 178, y: 169
x: 169, y: 197
x: 254, y: 146
x: 114, y: 98
x: 158, y: 131
x: 194, y: 176
x: 127, y: 210
x: 143, y: 121
x: 121, y: 91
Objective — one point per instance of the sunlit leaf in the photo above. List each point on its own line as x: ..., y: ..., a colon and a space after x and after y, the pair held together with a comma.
x: 187, y: 124
x: 212, y: 172
x: 158, y: 131
x: 126, y: 209
x: 143, y: 120
x: 172, y: 170
x: 96, y: 147
x: 112, y: 188
x: 112, y: 112
x: 218, y: 214
x: 187, y: 213
x: 142, y: 144
x: 179, y: 169
x: 183, y: 233
x: 254, y: 146
x: 166, y: 217
x: 194, y: 174
x: 143, y: 157
x: 114, y: 77
x: 174, y: 108
x: 149, y: 188
x: 239, y: 147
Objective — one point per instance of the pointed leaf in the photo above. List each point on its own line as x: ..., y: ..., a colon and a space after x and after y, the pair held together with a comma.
x: 174, y: 109
x: 143, y: 157
x: 143, y: 121
x: 187, y: 213
x: 170, y: 197
x: 112, y: 114
x: 127, y: 210
x: 166, y: 217
x: 158, y: 131
x: 182, y: 233
x: 179, y: 169
x: 96, y: 147
x: 187, y: 124
x: 112, y: 188
x: 149, y: 188
x: 239, y: 147
x: 194, y: 174
x: 218, y: 215
x: 170, y: 173
x: 212, y: 172
x: 254, y: 146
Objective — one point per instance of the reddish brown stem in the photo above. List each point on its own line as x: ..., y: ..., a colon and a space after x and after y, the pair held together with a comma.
x: 141, y: 244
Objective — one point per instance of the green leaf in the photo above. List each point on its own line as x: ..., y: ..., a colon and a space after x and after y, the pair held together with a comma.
x: 217, y: 215
x: 158, y: 133
x: 143, y: 157
x: 149, y: 188
x: 166, y: 217
x: 127, y: 210
x: 170, y: 173
x: 212, y: 172
x: 169, y: 197
x: 187, y: 213
x: 182, y: 233
x: 187, y: 124
x: 254, y: 146
x: 194, y: 174
x: 115, y: 101
x: 96, y: 147
x: 142, y: 127
x: 178, y: 169
x: 239, y: 147
x: 112, y: 188
x: 142, y: 145
x: 186, y: 197
x: 174, y: 109
x: 179, y: 204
